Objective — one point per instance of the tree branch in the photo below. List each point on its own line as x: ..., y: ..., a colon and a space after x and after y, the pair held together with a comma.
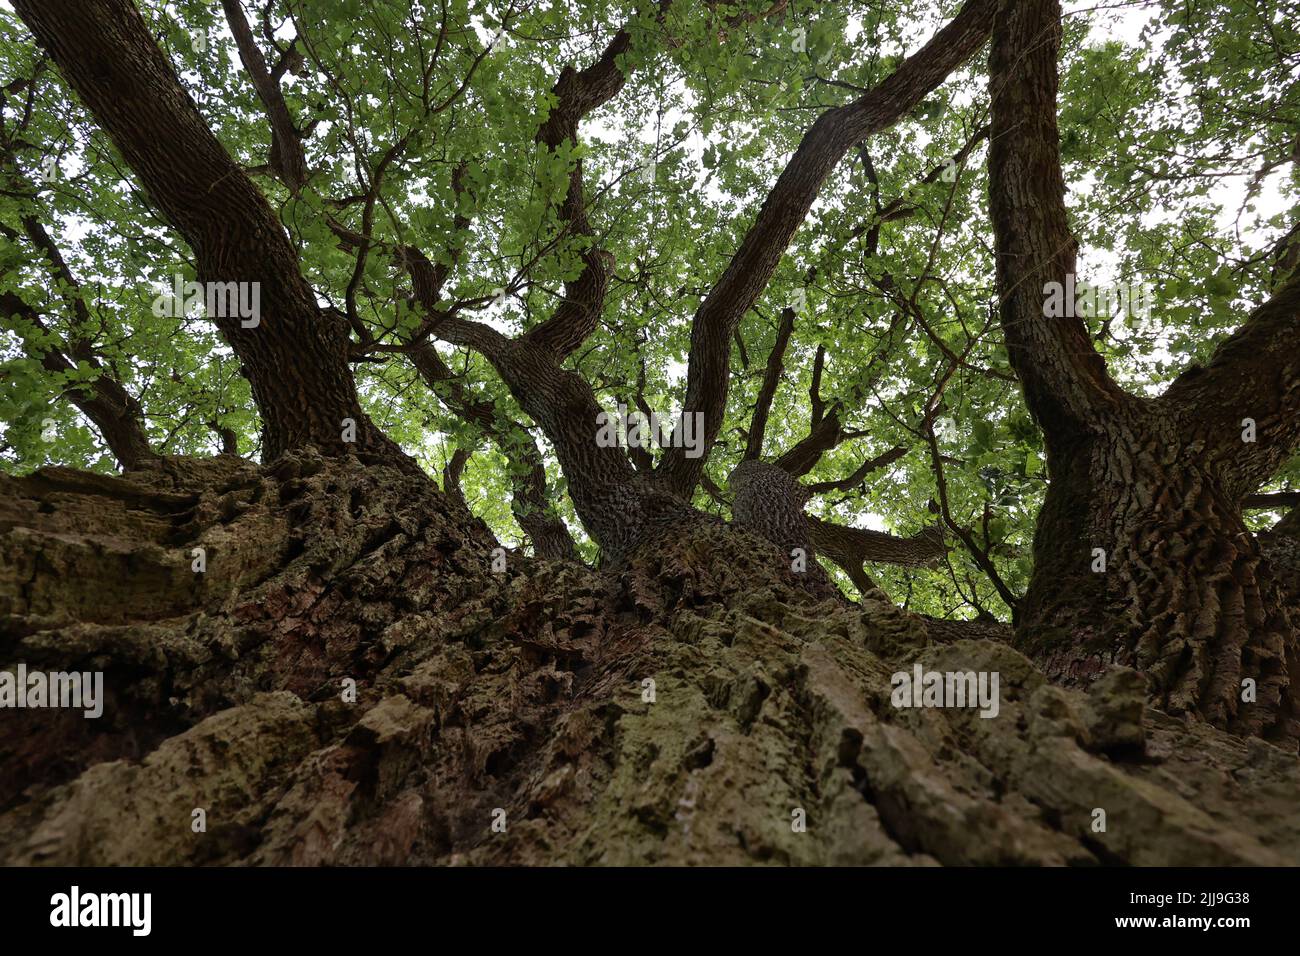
x: 294, y: 355
x: 771, y: 380
x: 1065, y: 380
x: 1255, y: 374
x: 750, y: 269
x: 114, y: 412
x: 287, y: 156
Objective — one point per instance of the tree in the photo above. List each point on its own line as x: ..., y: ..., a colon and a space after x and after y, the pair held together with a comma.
x: 340, y: 662
x: 1141, y: 555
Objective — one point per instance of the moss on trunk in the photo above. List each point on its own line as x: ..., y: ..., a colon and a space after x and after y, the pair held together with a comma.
x: 526, y: 692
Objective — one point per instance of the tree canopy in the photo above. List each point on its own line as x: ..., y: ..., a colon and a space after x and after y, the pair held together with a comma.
x: 589, y: 177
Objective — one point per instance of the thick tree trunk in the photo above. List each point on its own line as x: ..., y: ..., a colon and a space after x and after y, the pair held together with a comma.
x: 1141, y: 556
x: 521, y: 698
x: 1141, y: 559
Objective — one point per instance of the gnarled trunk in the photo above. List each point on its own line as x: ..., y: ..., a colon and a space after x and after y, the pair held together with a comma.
x: 1152, y: 488
x: 692, y: 707
x: 1142, y: 560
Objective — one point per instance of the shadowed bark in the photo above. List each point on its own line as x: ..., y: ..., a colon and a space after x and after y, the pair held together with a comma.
x: 351, y: 675
x: 1141, y: 557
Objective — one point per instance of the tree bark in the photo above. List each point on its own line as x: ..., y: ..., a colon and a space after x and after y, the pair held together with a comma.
x: 521, y: 698
x: 1141, y: 557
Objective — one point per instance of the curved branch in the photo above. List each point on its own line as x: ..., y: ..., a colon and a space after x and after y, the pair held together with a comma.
x: 747, y: 275
x: 287, y: 156
x: 1254, y: 374
x: 1065, y: 381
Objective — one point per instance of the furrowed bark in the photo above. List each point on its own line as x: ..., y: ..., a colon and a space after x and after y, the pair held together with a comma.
x: 1140, y: 554
x: 843, y: 544
x: 768, y: 501
x: 354, y: 680
x: 619, y: 508
x: 296, y: 356
x: 788, y: 202
x: 523, y: 691
x: 1255, y: 375
x: 1065, y: 381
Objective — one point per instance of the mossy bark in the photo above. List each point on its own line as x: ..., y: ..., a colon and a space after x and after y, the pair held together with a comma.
x: 526, y: 692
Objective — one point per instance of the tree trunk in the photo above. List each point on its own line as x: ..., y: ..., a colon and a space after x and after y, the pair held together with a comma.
x: 1142, y: 560
x: 1141, y: 555
x: 520, y: 698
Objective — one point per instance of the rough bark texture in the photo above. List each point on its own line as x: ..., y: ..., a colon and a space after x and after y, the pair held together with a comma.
x: 524, y: 691
x: 1141, y: 557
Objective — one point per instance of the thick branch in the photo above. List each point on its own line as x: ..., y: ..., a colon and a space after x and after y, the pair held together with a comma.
x: 1276, y: 499
x: 1254, y: 374
x: 1065, y: 380
x: 845, y: 545
x: 293, y: 354
x: 824, y: 145
x: 563, y: 404
x: 825, y: 434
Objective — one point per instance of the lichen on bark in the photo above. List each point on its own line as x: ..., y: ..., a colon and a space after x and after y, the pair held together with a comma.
x: 526, y: 692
